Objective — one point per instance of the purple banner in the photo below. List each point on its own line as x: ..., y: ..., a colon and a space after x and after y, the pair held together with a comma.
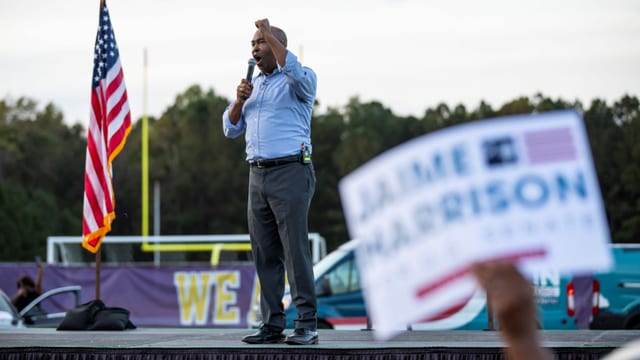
x: 194, y: 296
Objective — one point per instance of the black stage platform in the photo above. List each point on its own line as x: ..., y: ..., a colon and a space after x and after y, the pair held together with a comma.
x: 212, y: 344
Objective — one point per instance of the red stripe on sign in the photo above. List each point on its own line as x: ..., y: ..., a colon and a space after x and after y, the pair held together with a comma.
x: 429, y: 288
x: 434, y: 286
x: 353, y: 320
x: 449, y: 311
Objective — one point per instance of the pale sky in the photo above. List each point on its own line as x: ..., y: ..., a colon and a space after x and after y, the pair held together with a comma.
x: 407, y: 54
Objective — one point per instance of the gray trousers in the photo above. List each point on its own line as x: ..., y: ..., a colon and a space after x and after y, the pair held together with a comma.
x: 278, y: 208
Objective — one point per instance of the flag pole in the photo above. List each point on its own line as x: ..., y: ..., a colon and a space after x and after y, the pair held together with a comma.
x: 98, y: 262
x: 106, y: 138
x: 98, y: 252
x: 145, y: 153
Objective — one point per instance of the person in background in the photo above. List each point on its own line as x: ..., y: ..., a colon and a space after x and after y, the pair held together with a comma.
x: 274, y: 112
x: 28, y: 290
x: 583, y: 285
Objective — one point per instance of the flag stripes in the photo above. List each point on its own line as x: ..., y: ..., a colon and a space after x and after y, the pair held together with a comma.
x: 109, y: 126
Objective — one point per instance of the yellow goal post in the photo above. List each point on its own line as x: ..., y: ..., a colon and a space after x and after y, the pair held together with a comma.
x: 67, y: 250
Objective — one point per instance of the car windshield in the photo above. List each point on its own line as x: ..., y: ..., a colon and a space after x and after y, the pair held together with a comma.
x: 328, y: 261
x: 7, y: 312
x: 5, y: 303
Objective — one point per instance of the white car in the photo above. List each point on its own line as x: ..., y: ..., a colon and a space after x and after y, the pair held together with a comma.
x: 47, y: 310
x: 9, y: 317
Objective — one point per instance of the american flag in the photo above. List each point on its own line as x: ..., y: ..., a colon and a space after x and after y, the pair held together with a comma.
x: 109, y: 125
x: 550, y: 145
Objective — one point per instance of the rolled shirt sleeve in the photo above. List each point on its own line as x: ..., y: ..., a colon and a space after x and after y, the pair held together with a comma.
x: 230, y: 130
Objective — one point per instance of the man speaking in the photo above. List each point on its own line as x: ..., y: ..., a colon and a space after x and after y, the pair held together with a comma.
x: 273, y: 109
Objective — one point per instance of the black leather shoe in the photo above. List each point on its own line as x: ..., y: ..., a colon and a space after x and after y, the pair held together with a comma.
x: 264, y: 336
x: 302, y: 337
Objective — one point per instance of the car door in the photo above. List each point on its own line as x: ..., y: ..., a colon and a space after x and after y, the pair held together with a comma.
x: 341, y: 289
x: 48, y: 309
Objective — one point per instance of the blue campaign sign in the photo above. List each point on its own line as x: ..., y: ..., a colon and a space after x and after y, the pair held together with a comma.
x: 520, y: 187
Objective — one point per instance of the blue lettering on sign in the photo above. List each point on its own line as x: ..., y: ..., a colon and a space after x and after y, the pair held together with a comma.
x: 381, y: 196
x: 440, y: 166
x: 497, y: 199
x: 529, y: 192
x: 411, y: 176
x: 474, y: 198
x: 460, y: 160
x: 424, y: 218
x: 451, y: 205
x: 565, y: 188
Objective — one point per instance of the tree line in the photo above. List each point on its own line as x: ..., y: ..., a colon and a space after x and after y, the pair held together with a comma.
x: 203, y: 175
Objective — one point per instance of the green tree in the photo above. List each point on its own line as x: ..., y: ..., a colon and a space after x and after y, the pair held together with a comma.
x: 203, y: 175
x: 200, y: 171
x: 606, y: 138
x: 521, y: 105
x: 42, y: 165
x: 626, y: 209
x: 325, y: 216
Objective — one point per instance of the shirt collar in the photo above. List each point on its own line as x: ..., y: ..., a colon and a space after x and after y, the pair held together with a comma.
x: 275, y: 71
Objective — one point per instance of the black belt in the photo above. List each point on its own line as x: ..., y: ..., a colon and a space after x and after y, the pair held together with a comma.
x: 267, y: 163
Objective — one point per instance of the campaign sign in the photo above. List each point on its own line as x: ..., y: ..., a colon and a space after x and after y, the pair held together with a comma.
x: 521, y: 188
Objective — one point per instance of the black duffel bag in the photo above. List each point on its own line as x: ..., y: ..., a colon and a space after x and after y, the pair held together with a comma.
x: 94, y: 315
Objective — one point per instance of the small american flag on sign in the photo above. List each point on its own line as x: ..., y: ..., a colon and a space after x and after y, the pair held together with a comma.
x: 110, y: 123
x: 550, y: 145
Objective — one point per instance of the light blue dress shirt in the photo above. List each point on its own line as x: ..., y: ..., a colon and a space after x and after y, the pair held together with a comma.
x: 276, y: 119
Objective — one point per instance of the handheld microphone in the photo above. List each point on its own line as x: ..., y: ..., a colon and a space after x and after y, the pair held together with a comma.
x: 252, y: 65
